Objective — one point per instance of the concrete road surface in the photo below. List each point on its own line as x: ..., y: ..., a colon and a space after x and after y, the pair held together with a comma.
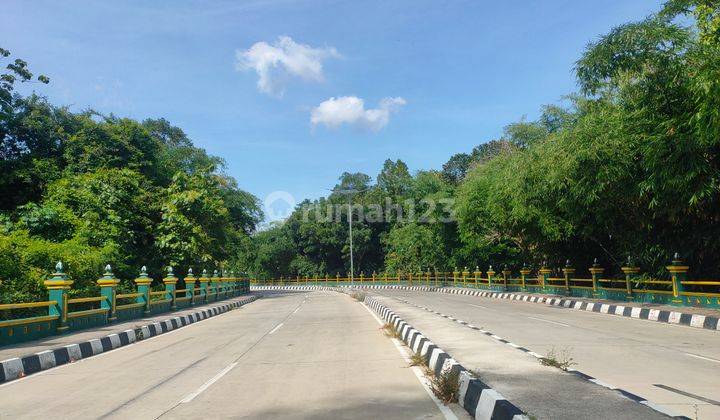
x: 675, y: 366
x: 298, y: 355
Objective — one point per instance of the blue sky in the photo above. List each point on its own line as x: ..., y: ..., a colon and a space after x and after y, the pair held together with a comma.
x: 453, y: 72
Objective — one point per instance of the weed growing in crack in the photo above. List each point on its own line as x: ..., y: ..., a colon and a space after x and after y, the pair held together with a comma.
x: 446, y: 385
x: 417, y: 360
x: 561, y: 360
x: 359, y: 296
x: 391, y: 332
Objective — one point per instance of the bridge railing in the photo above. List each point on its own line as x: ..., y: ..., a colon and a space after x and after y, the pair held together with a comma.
x: 61, y: 312
x: 675, y: 290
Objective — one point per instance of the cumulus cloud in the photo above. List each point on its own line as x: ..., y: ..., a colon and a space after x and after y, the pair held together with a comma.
x: 351, y: 110
x: 285, y: 58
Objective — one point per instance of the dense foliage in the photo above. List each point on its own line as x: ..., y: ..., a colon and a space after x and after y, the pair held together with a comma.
x: 90, y: 189
x: 628, y: 166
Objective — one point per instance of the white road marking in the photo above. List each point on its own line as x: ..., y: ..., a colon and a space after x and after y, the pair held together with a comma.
x: 116, y: 349
x: 702, y: 357
x: 277, y: 327
x: 478, y: 306
x: 207, y: 384
x: 547, y: 320
x: 445, y: 410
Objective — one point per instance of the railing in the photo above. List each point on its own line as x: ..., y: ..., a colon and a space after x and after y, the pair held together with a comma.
x: 60, y: 312
x: 677, y: 290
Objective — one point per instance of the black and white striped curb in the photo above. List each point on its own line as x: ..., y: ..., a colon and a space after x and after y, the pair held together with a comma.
x: 481, y: 401
x: 19, y: 367
x: 658, y: 315
x: 596, y: 381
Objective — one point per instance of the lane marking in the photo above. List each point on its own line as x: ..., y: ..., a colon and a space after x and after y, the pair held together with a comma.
x: 547, y: 320
x: 445, y: 410
x: 116, y: 349
x: 223, y: 372
x: 207, y: 384
x: 687, y: 394
x: 278, y: 326
x: 702, y: 357
x: 478, y: 306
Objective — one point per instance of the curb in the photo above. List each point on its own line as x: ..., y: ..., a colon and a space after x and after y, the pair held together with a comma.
x: 629, y: 395
x: 658, y: 315
x: 19, y: 367
x: 477, y: 398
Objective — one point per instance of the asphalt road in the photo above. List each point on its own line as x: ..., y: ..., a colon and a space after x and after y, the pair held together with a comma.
x: 674, y: 366
x: 299, y: 355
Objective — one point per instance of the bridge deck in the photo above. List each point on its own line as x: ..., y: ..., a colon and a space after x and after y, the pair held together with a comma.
x: 630, y: 354
x: 298, y: 355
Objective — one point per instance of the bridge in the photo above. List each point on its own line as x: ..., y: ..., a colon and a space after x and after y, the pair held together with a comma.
x: 451, y: 345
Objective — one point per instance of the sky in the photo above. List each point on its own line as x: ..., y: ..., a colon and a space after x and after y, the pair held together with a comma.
x: 292, y: 93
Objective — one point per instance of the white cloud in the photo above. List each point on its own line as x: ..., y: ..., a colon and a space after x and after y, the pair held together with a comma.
x: 351, y: 110
x: 275, y: 63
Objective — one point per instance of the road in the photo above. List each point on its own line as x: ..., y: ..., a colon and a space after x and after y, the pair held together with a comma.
x: 675, y: 366
x: 296, y: 355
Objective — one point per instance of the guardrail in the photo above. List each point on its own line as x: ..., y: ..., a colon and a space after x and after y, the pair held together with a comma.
x: 677, y: 290
x: 60, y: 313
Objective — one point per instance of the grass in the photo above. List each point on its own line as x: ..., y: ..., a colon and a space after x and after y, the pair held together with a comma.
x: 391, y: 332
x: 359, y: 296
x: 138, y: 333
x: 446, y: 386
x: 417, y: 360
x: 561, y: 360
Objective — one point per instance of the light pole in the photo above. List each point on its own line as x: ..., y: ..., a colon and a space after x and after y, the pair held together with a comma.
x: 350, y: 192
x: 352, y: 268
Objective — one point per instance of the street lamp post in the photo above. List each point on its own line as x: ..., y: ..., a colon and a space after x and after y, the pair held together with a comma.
x: 352, y: 268
x: 350, y: 192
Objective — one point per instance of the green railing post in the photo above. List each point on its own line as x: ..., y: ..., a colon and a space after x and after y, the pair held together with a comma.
x: 490, y: 274
x: 170, y: 283
x: 143, y: 286
x: 524, y: 272
x: 58, y: 285
x: 465, y: 275
x: 476, y: 274
x: 630, y: 272
x: 108, y: 283
x: 190, y: 286
x: 456, y: 273
x: 596, y: 273
x: 506, y: 274
x: 204, y: 280
x: 543, y: 275
x: 216, y: 284
x: 678, y: 272
x: 568, y: 271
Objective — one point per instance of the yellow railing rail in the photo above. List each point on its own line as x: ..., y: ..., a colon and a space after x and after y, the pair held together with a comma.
x: 23, y: 321
x: 87, y: 299
x: 9, y: 306
x: 89, y: 312
x: 128, y: 295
